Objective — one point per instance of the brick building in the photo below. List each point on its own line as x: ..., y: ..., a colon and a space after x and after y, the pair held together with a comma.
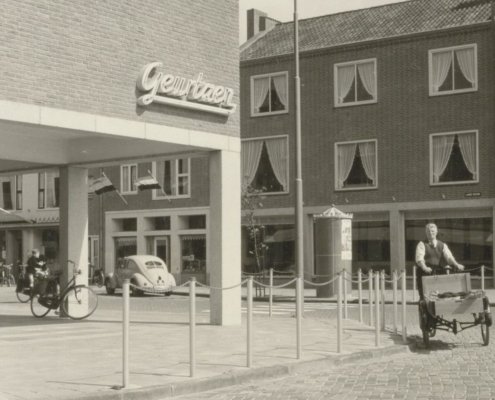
x: 87, y: 86
x: 397, y: 106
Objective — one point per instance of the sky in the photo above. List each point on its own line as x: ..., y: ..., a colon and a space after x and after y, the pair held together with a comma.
x: 283, y: 10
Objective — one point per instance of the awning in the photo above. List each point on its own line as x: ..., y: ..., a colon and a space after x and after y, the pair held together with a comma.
x: 7, y: 217
x: 282, y: 235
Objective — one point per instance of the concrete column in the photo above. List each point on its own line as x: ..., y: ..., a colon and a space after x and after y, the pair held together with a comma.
x: 28, y: 244
x: 10, y: 247
x: 397, y: 241
x: 73, y: 222
x: 140, y: 238
x: 109, y: 250
x: 224, y: 237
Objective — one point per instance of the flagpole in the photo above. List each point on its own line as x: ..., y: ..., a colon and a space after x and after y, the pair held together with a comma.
x: 299, y: 183
x: 119, y: 194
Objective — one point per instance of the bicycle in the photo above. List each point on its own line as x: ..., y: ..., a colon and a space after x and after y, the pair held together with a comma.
x: 73, y: 299
x: 23, y: 290
x: 6, y: 275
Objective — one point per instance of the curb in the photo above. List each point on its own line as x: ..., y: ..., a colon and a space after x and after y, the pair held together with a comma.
x: 240, y: 377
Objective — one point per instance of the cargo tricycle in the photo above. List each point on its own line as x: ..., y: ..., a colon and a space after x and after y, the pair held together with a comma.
x: 451, y: 305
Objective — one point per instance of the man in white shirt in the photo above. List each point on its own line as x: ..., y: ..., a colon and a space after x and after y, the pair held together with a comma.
x: 432, y: 256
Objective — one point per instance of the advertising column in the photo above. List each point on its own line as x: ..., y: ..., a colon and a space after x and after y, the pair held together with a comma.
x: 333, y: 249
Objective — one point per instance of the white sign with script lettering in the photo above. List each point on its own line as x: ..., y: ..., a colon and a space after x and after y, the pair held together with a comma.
x: 182, y: 92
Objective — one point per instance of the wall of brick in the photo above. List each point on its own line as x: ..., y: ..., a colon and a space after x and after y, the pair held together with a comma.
x: 85, y: 55
x: 401, y: 120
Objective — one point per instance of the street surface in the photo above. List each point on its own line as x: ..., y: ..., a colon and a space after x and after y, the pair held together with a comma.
x: 455, y: 367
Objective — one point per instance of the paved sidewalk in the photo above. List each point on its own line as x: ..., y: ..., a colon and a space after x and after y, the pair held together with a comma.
x: 54, y: 358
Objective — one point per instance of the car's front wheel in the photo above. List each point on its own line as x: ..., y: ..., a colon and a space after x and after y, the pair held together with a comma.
x: 110, y: 290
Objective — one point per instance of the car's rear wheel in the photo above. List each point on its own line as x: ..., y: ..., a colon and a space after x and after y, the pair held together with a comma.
x: 110, y: 290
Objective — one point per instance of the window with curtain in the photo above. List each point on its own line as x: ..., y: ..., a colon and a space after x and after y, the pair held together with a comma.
x: 269, y: 94
x: 453, y: 70
x: 265, y: 164
x: 356, y: 165
x: 48, y: 190
x: 454, y: 158
x: 174, y: 176
x: 355, y: 82
x: 128, y: 177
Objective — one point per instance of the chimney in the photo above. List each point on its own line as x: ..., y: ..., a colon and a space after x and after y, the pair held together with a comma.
x: 258, y: 21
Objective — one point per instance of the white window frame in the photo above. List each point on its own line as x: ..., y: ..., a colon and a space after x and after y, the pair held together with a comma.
x: 158, y: 193
x: 45, y: 192
x: 269, y: 75
x: 94, y: 249
x: 474, y: 181
x: 336, y: 166
x: 19, y: 179
x: 336, y: 82
x: 452, y: 49
x: 263, y: 138
x: 129, y: 183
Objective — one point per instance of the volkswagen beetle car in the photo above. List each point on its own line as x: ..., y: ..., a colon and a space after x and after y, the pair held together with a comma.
x: 146, y: 274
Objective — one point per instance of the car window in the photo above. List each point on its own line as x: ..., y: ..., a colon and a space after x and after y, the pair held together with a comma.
x: 132, y: 265
x: 153, y: 264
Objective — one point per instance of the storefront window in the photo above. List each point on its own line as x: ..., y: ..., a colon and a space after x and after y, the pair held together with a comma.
x: 278, y: 252
x: 193, y: 253
x: 124, y: 247
x: 370, y: 245
x: 469, y: 239
x: 50, y: 244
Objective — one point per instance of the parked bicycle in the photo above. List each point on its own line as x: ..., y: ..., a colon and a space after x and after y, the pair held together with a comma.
x: 23, y: 290
x: 77, y: 301
x: 6, y: 275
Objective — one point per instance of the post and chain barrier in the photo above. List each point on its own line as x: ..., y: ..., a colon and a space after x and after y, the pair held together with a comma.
x: 376, y: 289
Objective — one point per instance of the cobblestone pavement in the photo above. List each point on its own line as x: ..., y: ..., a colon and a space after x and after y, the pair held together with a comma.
x: 455, y: 367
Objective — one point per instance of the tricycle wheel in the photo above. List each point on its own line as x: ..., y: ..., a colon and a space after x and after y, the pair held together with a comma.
x: 423, y: 322
x: 485, y: 330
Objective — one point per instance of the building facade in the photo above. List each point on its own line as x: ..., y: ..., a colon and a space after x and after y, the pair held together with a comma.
x: 87, y: 87
x: 397, y: 106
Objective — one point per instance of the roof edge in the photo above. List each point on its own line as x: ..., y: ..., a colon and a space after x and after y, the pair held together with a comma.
x: 475, y: 26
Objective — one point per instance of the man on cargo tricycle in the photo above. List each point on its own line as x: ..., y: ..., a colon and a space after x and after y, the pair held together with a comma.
x: 447, y: 301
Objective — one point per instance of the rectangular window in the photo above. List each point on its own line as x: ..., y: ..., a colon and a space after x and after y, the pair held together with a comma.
x: 356, y: 165
x: 48, y: 189
x: 269, y: 94
x: 454, y: 158
x: 453, y: 70
x: 174, y: 176
x: 18, y: 192
x: 128, y: 177
x: 7, y: 192
x: 355, y: 83
x: 265, y: 164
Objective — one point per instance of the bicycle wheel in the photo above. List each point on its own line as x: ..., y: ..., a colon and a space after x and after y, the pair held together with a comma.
x: 24, y: 295
x: 39, y: 309
x: 79, y: 302
x: 485, y: 330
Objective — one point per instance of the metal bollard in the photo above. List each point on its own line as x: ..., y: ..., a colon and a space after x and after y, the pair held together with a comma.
x: 415, y: 283
x: 394, y: 298
x: 404, y: 307
x: 192, y: 327
x: 270, y: 294
x: 377, y: 309
x: 249, y: 340
x: 360, y: 295
x: 370, y: 295
x: 483, y: 278
x: 125, y: 334
x: 382, y: 285
x: 339, y: 314
x: 299, y: 312
x: 345, y: 293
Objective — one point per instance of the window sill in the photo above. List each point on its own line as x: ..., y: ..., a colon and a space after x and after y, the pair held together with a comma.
x: 357, y: 103
x: 171, y: 197
x: 452, y: 92
x: 269, y: 194
x: 357, y: 188
x: 268, y: 114
x: 454, y: 183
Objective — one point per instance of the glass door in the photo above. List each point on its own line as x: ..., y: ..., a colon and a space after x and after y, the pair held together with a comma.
x: 160, y: 249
